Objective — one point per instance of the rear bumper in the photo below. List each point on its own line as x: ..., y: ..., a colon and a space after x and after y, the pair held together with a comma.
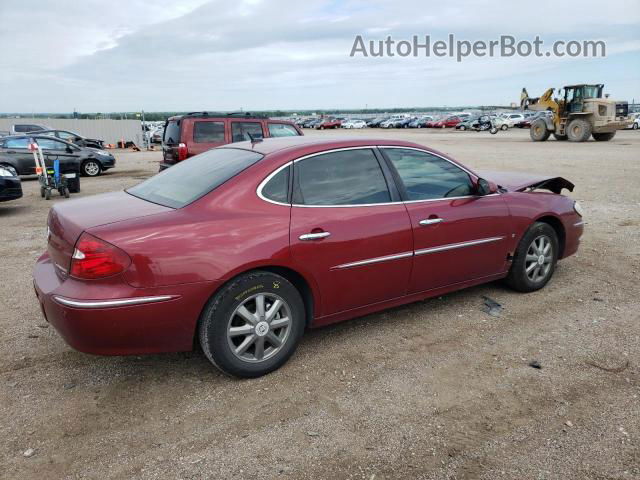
x: 10, y: 189
x: 117, y: 319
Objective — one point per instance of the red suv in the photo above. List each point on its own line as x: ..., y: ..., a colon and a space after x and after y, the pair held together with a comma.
x: 196, y: 132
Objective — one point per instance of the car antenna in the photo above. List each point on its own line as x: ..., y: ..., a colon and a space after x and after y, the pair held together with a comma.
x: 254, y: 140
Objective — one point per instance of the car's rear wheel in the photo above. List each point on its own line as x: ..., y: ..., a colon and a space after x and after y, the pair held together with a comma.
x: 535, y: 259
x: 253, y: 325
x: 91, y: 168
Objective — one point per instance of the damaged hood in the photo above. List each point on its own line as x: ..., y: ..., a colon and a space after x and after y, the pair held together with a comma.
x: 518, y: 182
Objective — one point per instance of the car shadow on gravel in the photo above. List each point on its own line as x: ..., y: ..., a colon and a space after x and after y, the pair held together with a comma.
x: 10, y: 210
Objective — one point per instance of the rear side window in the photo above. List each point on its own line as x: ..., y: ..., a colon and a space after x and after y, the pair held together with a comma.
x: 282, y: 130
x: 349, y: 177
x: 27, y: 128
x: 208, y: 132
x: 426, y: 176
x: 241, y: 131
x: 172, y: 132
x: 17, y: 143
x: 193, y: 178
x: 277, y: 188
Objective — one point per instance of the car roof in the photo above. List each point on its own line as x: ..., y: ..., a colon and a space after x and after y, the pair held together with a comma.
x: 276, y: 144
x: 38, y: 135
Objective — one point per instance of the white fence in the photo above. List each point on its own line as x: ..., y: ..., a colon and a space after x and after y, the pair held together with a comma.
x: 111, y: 131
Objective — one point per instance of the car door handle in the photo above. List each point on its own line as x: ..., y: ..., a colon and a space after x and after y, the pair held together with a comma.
x: 430, y: 221
x: 314, y: 236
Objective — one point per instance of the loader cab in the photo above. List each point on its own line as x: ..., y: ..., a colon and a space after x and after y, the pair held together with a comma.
x: 575, y: 95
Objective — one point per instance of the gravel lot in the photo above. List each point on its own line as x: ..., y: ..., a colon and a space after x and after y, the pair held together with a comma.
x: 433, y: 390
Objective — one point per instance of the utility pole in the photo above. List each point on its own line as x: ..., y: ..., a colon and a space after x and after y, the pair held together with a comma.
x: 145, y: 140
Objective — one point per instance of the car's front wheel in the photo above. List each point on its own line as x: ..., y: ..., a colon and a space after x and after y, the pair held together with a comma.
x: 253, y: 325
x: 535, y: 258
x: 91, y: 168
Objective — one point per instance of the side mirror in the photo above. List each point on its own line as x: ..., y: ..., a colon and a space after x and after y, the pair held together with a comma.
x: 484, y: 187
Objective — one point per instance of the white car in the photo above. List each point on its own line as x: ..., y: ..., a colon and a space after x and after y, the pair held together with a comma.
x: 512, y: 119
x: 636, y: 122
x: 354, y: 124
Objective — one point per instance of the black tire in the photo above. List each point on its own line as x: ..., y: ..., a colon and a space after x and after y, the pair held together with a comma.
x: 635, y: 126
x: 73, y: 184
x: 463, y: 128
x: 65, y: 192
x: 603, y: 137
x: 493, y: 130
x: 91, y: 168
x: 218, y: 315
x: 518, y: 278
x: 47, y: 194
x: 560, y: 138
x: 538, y: 131
x: 42, y: 189
x: 578, y: 130
x: 504, y: 126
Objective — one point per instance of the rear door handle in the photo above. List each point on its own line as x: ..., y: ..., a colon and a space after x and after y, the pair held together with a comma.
x: 430, y: 221
x: 314, y: 236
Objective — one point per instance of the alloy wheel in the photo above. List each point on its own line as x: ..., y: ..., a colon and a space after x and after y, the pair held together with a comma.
x: 259, y: 327
x: 539, y: 259
x: 91, y: 168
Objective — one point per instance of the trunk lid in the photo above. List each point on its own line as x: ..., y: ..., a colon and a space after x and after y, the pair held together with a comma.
x: 518, y: 182
x: 69, y: 219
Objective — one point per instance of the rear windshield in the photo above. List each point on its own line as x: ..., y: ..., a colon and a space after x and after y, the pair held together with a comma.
x: 172, y: 132
x: 193, y: 178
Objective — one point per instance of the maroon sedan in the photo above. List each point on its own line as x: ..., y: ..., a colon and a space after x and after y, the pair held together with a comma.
x: 243, y: 247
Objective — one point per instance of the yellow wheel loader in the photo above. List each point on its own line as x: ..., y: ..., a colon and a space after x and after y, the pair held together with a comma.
x: 580, y: 112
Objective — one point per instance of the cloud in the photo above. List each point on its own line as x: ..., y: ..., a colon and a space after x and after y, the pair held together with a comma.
x: 168, y: 55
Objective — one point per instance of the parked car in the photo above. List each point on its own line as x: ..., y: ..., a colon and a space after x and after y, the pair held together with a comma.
x: 156, y: 136
x: 375, y: 122
x: 354, y: 124
x: 636, y: 121
x: 467, y: 124
x: 447, y: 122
x: 91, y: 161
x: 73, y: 137
x: 4, y: 133
x: 512, y: 119
x: 10, y: 185
x: 526, y: 123
x: 224, y: 250
x: 188, y: 135
x: 20, y: 128
x: 328, y: 123
x: 420, y: 122
x: 404, y: 123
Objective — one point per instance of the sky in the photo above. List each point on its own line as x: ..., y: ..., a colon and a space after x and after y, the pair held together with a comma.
x: 183, y: 55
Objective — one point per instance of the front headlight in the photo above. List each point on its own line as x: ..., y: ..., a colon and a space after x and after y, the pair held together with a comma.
x: 578, y: 208
x: 7, y: 171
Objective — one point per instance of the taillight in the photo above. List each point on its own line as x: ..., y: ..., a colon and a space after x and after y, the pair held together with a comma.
x: 94, y: 258
x: 182, y: 151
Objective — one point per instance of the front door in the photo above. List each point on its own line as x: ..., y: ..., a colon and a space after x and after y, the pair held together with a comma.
x: 53, y: 149
x: 19, y: 156
x: 347, y: 232
x: 458, y: 236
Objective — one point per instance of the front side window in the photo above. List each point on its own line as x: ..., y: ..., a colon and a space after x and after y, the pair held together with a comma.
x: 193, y: 178
x: 17, y: 143
x: 208, y: 132
x: 241, y: 131
x: 427, y: 176
x: 68, y: 136
x: 349, y: 177
x: 282, y: 130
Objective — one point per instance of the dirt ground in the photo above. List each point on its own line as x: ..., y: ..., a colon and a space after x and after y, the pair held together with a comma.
x: 434, y: 390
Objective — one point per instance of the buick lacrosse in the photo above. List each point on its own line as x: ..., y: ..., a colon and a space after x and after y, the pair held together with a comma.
x: 243, y: 247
